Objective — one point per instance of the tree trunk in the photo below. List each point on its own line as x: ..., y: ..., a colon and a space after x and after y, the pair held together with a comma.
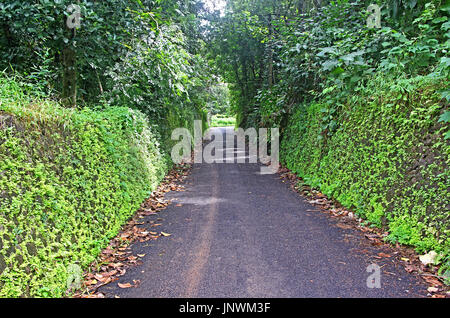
x: 69, y: 59
x: 270, y: 71
x: 69, y: 93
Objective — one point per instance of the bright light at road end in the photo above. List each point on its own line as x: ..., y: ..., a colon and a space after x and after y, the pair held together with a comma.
x: 215, y: 5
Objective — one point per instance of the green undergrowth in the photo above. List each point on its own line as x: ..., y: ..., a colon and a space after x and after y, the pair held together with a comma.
x: 388, y: 159
x: 223, y: 121
x: 69, y: 179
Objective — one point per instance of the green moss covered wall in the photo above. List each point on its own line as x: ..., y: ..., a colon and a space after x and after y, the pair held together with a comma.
x: 388, y: 160
x: 68, y: 181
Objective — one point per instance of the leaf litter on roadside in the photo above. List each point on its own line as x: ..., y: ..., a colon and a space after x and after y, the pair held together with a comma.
x: 114, y: 260
x: 406, y: 256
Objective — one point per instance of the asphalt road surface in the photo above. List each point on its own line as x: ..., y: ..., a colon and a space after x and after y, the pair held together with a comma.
x: 242, y: 234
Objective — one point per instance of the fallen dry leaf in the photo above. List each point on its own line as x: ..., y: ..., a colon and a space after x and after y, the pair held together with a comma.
x: 411, y: 268
x: 344, y: 226
x: 127, y: 285
x: 433, y: 289
x: 432, y: 280
x: 91, y: 282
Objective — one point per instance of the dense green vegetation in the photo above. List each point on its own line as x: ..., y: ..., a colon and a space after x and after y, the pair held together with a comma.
x: 219, y: 100
x: 146, y: 55
x: 363, y: 112
x: 388, y: 160
x: 86, y: 114
x: 69, y: 181
x: 222, y: 121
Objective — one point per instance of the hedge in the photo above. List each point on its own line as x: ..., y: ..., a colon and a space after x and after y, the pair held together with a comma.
x: 388, y: 160
x: 69, y: 179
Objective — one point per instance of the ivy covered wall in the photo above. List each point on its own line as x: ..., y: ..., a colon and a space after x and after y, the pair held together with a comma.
x: 388, y: 159
x: 69, y: 179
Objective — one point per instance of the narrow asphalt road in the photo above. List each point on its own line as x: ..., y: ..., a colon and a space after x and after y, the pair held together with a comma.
x: 239, y: 234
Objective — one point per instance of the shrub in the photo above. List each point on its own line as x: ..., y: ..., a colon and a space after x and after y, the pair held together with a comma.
x: 388, y: 159
x: 69, y: 179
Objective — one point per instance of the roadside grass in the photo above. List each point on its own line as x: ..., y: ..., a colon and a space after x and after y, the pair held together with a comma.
x: 222, y: 121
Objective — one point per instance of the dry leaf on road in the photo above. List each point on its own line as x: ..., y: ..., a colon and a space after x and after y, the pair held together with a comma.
x: 127, y: 285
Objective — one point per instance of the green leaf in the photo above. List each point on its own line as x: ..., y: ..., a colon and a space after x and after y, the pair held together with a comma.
x: 445, y: 26
x: 439, y: 20
x: 445, y: 7
x: 327, y: 50
x: 337, y: 71
x: 445, y: 61
x: 445, y: 117
x: 329, y: 65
